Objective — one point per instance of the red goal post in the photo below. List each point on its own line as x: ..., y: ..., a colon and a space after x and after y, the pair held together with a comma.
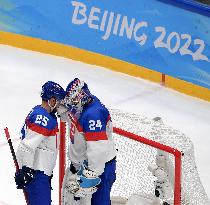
x: 62, y: 156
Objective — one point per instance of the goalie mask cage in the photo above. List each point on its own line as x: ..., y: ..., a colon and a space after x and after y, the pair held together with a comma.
x: 139, y: 140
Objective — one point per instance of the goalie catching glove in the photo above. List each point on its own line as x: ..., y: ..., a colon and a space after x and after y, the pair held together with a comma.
x: 82, y: 183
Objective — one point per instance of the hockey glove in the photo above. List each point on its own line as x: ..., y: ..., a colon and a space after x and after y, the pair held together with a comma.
x: 83, y: 183
x: 24, y: 176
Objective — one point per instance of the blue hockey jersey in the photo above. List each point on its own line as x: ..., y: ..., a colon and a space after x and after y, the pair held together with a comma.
x: 39, y: 142
x: 91, y: 137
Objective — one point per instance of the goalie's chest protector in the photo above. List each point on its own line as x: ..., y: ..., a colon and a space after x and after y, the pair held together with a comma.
x: 91, y: 136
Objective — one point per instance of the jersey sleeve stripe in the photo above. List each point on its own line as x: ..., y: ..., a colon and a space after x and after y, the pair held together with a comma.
x: 95, y: 136
x: 42, y: 130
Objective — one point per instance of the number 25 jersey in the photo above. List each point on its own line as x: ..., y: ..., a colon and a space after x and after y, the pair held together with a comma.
x: 39, y: 143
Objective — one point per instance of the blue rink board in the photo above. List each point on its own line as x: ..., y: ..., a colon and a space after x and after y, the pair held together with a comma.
x: 152, y: 33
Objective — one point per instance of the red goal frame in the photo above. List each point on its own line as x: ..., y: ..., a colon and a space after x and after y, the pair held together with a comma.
x: 177, y: 154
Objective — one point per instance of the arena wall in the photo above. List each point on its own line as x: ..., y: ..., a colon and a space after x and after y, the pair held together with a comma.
x: 165, y: 41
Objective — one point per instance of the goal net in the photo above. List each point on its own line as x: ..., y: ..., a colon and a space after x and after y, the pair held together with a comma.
x: 142, y: 143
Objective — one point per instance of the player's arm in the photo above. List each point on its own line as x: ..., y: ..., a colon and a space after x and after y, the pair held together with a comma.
x: 25, y: 157
x: 97, y: 141
x: 33, y: 136
x: 27, y: 147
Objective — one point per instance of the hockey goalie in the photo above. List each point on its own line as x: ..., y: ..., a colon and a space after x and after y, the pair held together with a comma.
x: 92, y: 154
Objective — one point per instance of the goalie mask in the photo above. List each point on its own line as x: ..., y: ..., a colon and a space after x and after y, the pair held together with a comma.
x: 77, y: 96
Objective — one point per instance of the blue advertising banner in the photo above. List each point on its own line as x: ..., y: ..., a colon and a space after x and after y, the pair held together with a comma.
x: 154, y: 34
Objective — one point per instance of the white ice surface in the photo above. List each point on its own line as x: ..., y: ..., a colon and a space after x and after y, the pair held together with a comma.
x: 23, y: 72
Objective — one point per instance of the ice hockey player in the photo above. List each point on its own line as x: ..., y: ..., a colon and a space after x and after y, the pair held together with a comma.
x: 37, y: 151
x: 91, y: 148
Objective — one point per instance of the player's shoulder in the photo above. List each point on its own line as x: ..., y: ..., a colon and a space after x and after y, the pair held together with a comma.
x: 95, y: 110
x: 100, y: 107
x: 38, y: 110
x: 38, y: 115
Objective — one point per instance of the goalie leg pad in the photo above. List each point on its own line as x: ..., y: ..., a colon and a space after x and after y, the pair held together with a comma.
x: 69, y: 198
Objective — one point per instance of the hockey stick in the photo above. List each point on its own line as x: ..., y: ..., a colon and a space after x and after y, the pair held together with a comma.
x: 14, y: 157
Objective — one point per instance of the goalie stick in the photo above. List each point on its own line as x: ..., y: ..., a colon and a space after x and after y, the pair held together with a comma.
x: 14, y: 157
